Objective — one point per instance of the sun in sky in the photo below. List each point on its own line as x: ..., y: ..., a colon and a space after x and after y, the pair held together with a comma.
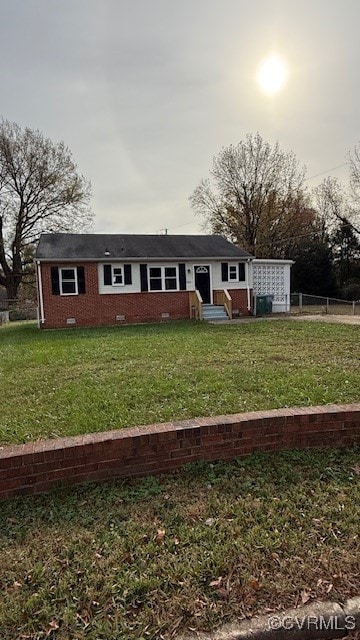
x: 272, y: 74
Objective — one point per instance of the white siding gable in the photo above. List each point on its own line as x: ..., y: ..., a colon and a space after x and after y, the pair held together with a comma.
x: 116, y: 289
x: 215, y: 275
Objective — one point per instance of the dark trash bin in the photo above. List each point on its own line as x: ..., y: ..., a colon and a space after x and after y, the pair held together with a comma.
x: 264, y: 304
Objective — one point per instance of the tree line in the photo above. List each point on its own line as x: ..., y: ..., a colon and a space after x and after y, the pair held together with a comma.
x: 257, y: 197
x: 41, y: 190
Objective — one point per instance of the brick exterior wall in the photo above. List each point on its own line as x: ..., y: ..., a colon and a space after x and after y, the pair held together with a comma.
x: 239, y: 300
x: 93, y: 309
x: 40, y: 466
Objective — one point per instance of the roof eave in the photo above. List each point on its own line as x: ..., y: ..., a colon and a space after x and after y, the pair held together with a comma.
x: 144, y: 258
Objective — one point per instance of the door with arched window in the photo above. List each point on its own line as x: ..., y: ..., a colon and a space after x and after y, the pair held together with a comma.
x: 202, y: 282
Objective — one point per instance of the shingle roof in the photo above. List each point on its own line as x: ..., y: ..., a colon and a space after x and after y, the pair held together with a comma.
x: 70, y: 246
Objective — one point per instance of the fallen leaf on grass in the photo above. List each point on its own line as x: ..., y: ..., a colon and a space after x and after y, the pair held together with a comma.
x: 337, y: 576
x: 160, y: 536
x: 199, y: 604
x: 317, y: 522
x: 216, y: 583
x: 305, y: 596
x: 53, y: 626
x: 222, y: 591
x: 254, y: 584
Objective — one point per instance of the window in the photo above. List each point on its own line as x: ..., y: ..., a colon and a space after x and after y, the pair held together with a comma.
x: 117, y: 276
x: 155, y: 279
x: 68, y: 282
x: 163, y: 279
x: 233, y: 272
x: 170, y: 278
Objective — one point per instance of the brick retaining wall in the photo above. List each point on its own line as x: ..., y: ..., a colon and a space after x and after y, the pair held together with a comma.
x: 40, y: 466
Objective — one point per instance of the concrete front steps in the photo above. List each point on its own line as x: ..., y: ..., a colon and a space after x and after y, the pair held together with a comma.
x: 213, y: 312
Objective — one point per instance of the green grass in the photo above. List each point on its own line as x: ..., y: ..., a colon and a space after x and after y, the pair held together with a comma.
x: 149, y: 559
x: 75, y: 381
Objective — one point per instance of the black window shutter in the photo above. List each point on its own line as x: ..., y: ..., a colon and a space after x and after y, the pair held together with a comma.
x: 224, y: 272
x: 55, y: 283
x: 241, y: 271
x: 81, y: 279
x: 127, y: 274
x: 182, y: 276
x: 107, y: 274
x: 144, y: 277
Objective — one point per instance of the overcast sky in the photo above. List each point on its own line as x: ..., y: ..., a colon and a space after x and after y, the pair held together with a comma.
x: 146, y: 92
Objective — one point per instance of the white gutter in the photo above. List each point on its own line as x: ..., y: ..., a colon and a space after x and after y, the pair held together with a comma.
x: 248, y: 285
x: 117, y: 258
x: 41, y: 299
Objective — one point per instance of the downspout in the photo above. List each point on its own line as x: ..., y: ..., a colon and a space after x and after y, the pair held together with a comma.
x: 41, y: 300
x: 247, y: 285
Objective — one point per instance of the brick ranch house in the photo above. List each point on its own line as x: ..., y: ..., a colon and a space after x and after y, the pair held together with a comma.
x: 95, y: 279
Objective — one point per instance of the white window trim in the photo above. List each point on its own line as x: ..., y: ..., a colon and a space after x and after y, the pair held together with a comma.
x: 117, y: 284
x: 163, y: 267
x: 236, y: 266
x: 237, y: 279
x: 75, y: 279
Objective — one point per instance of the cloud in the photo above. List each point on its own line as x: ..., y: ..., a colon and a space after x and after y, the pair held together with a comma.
x: 145, y: 93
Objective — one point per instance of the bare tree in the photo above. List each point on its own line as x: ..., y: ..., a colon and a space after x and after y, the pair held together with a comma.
x: 254, y: 189
x: 334, y: 203
x: 354, y: 166
x: 40, y: 191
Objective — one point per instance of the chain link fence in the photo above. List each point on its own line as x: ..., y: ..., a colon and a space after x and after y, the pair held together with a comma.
x: 303, y: 303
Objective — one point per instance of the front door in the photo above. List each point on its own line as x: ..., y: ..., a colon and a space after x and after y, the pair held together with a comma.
x: 202, y: 282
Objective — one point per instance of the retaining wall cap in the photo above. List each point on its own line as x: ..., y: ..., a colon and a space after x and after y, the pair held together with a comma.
x: 315, y: 621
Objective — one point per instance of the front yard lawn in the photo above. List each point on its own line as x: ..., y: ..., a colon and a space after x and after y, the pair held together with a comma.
x: 151, y: 558
x: 76, y: 381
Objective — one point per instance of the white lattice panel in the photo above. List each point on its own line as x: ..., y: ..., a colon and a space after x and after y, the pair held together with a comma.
x: 270, y: 279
